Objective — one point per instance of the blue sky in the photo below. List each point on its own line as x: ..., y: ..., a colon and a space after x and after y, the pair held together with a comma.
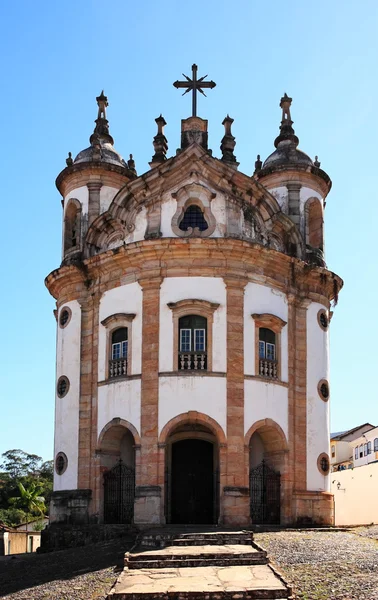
x: 56, y: 58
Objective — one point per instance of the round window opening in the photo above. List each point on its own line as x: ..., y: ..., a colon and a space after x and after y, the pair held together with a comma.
x: 324, y: 390
x: 324, y: 464
x: 323, y: 319
x: 64, y: 317
x: 62, y: 386
x: 61, y: 463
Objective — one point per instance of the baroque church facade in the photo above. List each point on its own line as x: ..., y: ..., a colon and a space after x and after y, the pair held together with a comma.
x: 193, y: 310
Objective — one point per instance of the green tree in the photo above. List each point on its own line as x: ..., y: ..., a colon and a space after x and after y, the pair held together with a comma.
x: 29, y: 500
x: 18, y: 463
x: 12, y: 516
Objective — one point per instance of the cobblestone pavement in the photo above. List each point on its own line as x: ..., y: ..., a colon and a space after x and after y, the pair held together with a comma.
x: 86, y: 573
x: 327, y: 565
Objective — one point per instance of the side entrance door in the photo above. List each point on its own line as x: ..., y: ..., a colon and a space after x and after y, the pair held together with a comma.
x: 119, y: 492
x: 264, y: 485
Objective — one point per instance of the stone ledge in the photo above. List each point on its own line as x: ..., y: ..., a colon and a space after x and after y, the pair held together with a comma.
x: 232, y: 490
x: 142, y: 491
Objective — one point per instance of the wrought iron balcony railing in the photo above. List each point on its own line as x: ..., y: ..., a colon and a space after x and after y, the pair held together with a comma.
x: 193, y: 361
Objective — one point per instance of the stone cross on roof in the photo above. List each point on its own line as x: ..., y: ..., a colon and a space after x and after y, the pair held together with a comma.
x: 194, y: 85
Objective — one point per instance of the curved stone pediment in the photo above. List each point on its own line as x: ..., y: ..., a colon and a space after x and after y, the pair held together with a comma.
x: 224, y: 203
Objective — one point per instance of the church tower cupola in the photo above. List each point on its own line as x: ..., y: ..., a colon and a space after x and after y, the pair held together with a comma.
x: 299, y: 185
x: 102, y: 144
x: 286, y: 142
x: 89, y: 183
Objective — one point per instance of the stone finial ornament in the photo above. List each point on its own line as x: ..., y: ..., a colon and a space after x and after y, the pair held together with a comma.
x: 131, y: 164
x: 69, y: 160
x: 316, y: 162
x: 160, y: 143
x: 287, y: 132
x: 102, y: 103
x: 101, y: 131
x: 228, y: 143
x: 258, y: 164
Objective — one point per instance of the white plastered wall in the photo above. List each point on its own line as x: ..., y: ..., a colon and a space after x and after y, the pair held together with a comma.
x: 168, y: 209
x: 107, y: 194
x: 265, y: 401
x: 173, y: 289
x: 140, y: 227
x: 67, y: 408
x: 318, y: 434
x: 260, y: 299
x: 280, y: 193
x: 120, y: 399
x: 123, y: 299
x: 203, y: 394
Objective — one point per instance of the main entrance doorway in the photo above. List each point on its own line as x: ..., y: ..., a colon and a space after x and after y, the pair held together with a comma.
x: 192, y: 483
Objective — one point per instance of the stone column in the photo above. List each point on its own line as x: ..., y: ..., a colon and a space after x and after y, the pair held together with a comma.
x: 235, y: 493
x: 148, y: 493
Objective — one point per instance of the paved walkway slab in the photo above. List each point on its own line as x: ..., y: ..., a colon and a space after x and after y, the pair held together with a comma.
x: 155, y: 583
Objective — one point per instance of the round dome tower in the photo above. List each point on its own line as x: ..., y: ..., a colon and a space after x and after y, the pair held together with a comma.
x: 298, y: 183
x: 89, y: 183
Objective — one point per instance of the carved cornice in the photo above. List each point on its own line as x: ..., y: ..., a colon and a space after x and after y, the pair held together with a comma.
x: 151, y: 260
x: 183, y: 306
x: 269, y: 321
x: 118, y: 317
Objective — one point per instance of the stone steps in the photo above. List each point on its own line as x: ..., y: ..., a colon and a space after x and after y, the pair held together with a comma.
x: 196, y: 556
x: 198, y: 565
x: 192, y: 562
x: 173, y: 538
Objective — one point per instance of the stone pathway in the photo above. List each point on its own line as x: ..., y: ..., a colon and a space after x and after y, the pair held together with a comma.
x: 196, y: 566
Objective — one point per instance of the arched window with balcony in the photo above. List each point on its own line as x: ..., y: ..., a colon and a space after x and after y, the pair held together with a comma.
x: 268, y: 330
x: 119, y: 352
x: 267, y: 353
x: 192, y: 343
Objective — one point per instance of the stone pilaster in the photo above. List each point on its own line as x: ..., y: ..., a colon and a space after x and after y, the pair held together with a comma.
x: 297, y: 395
x: 148, y: 493
x: 94, y: 188
x: 293, y: 190
x: 236, y: 495
x: 87, y: 476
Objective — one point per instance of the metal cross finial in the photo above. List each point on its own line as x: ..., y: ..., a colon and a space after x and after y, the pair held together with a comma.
x: 194, y: 85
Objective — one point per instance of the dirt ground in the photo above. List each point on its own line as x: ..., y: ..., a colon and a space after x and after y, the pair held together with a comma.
x: 321, y: 565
